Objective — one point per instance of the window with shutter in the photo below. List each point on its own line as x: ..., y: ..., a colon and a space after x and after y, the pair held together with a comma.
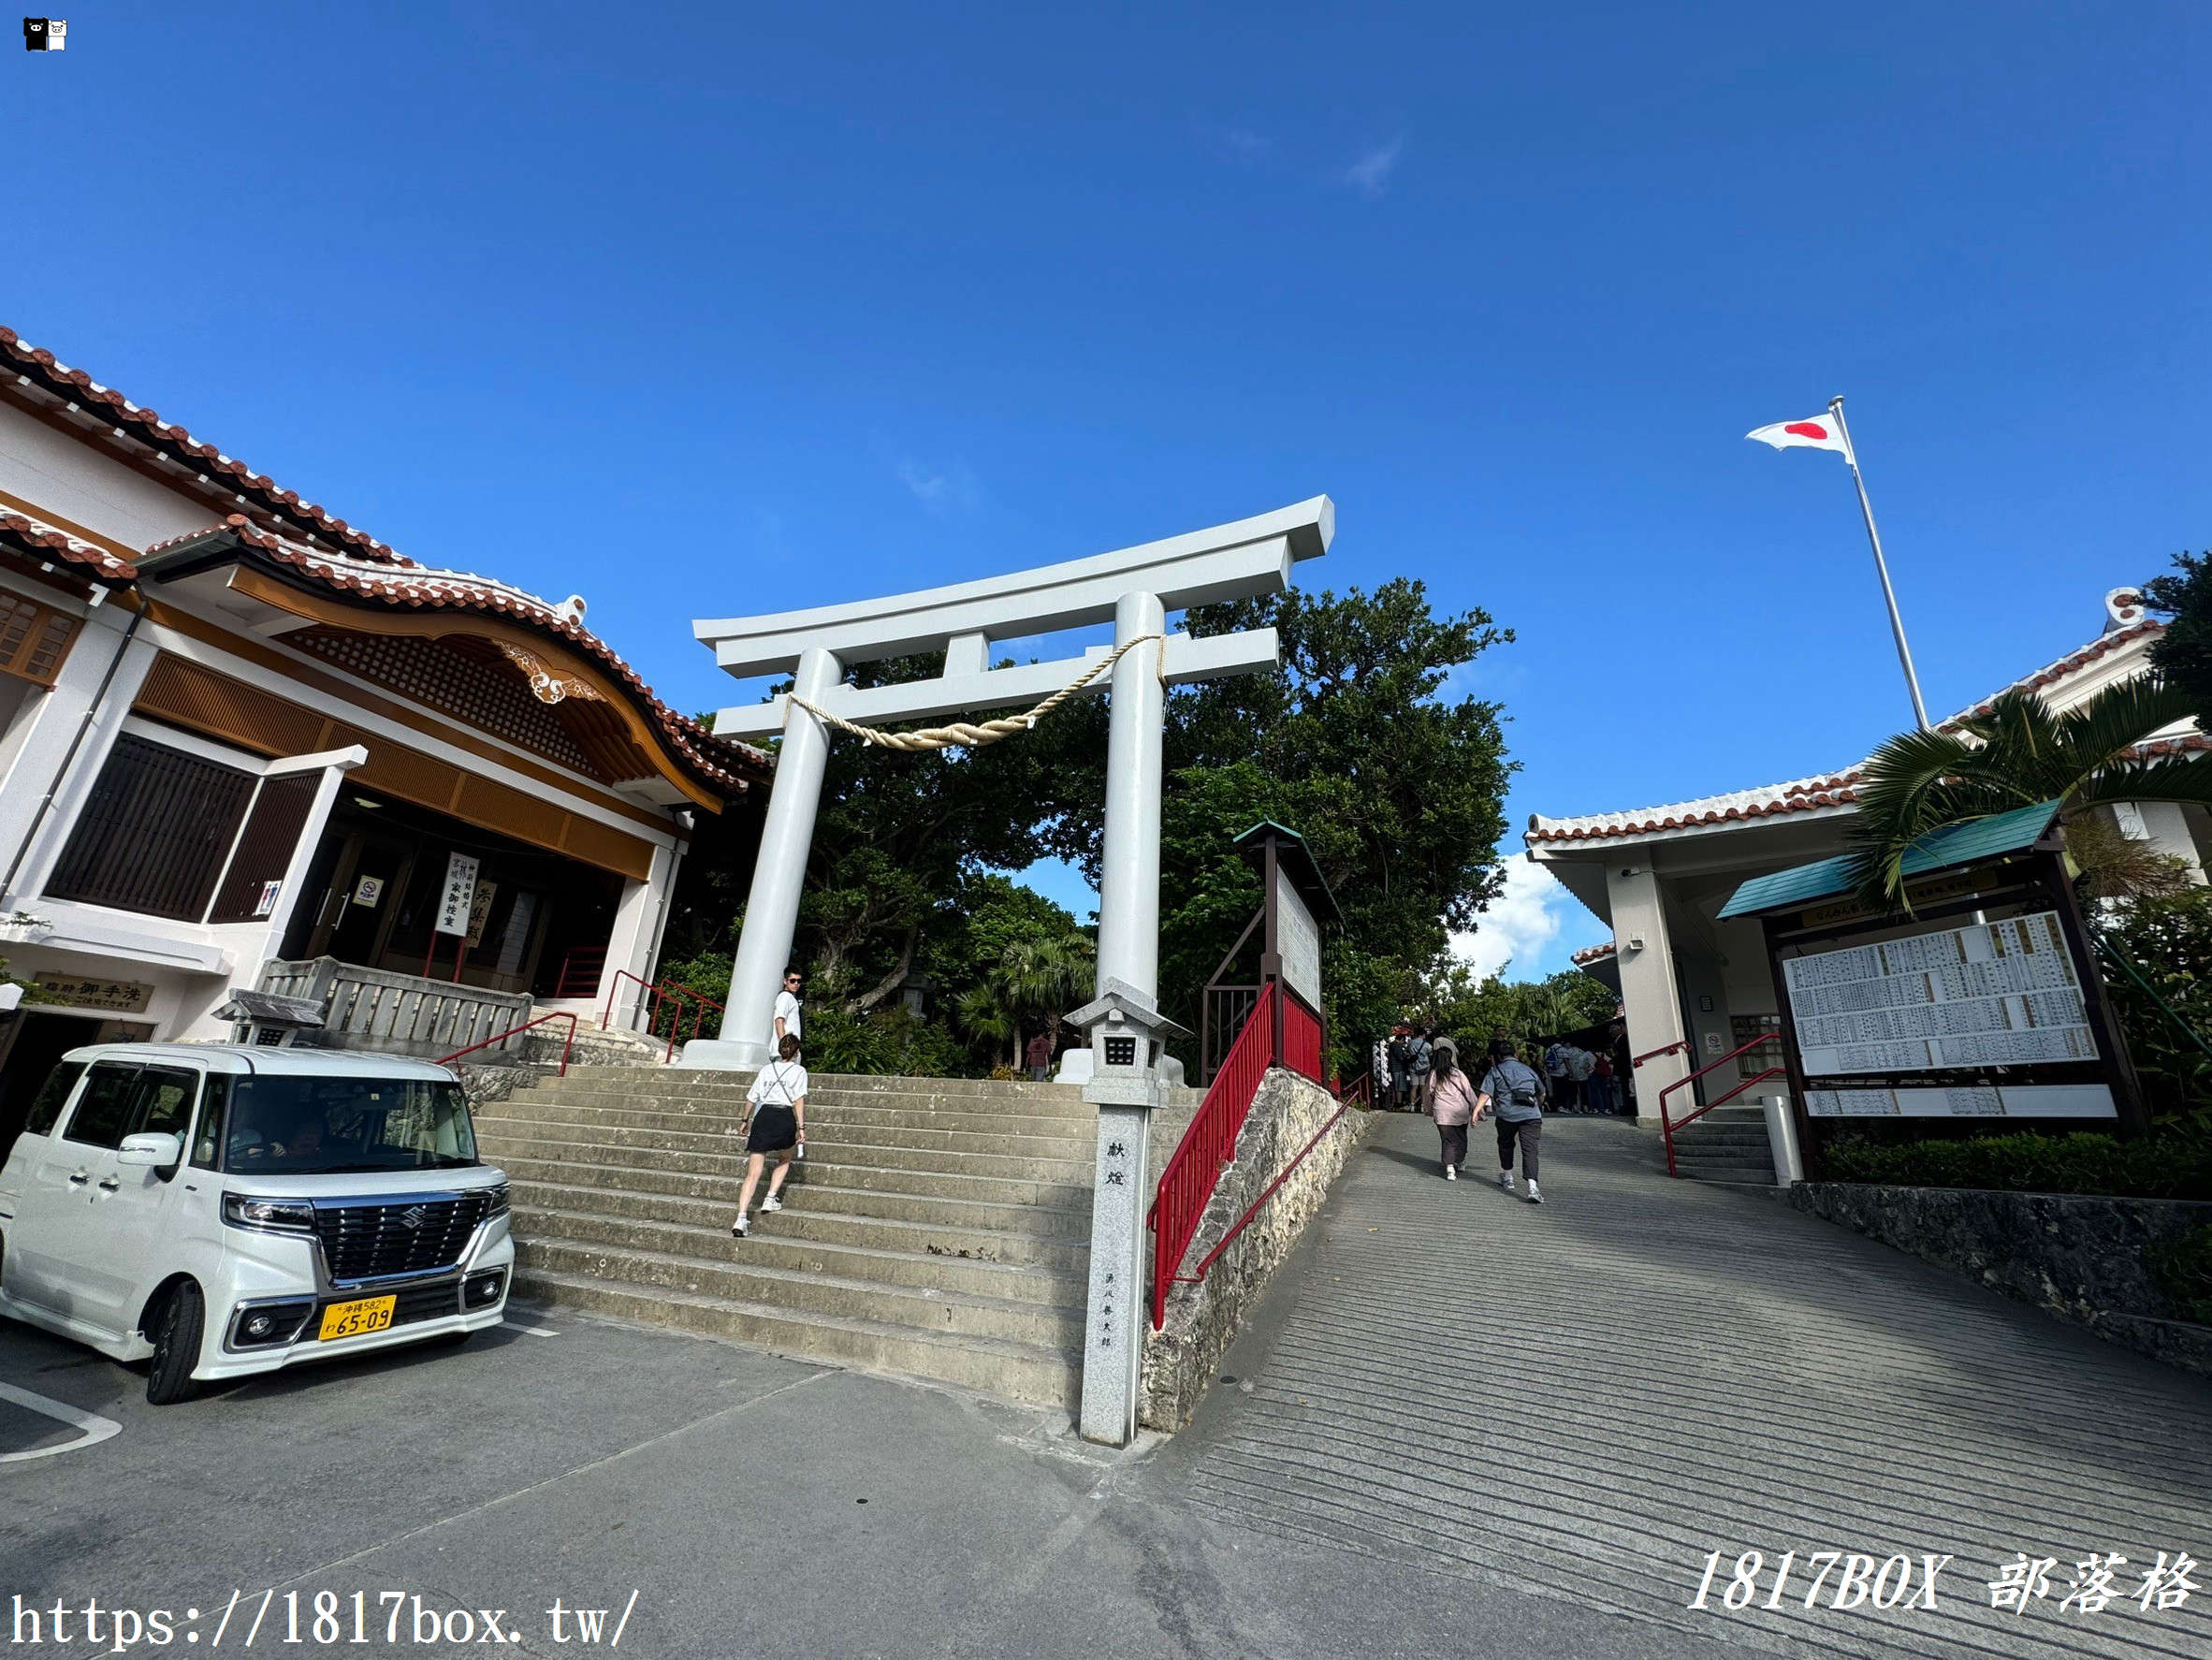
x: 35, y: 639
x: 155, y: 833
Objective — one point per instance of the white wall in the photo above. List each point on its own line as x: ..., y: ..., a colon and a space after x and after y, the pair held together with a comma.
x: 67, y: 476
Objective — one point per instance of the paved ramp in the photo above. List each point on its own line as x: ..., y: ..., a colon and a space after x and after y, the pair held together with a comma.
x: 1588, y: 1397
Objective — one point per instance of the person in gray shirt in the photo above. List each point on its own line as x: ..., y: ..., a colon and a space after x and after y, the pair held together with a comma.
x: 1514, y: 1092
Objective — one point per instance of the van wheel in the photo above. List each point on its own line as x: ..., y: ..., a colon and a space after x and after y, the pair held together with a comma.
x: 176, y: 1345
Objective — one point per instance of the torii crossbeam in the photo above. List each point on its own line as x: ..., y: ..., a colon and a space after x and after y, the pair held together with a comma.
x: 1134, y: 586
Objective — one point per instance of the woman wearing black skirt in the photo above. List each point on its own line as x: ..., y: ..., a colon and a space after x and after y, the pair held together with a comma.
x: 778, y: 1102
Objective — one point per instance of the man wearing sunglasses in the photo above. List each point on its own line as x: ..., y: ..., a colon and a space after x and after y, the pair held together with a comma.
x: 785, y: 1021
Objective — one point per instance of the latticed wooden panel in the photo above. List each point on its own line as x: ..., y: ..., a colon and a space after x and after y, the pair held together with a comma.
x: 456, y: 678
x: 33, y: 638
x: 200, y: 700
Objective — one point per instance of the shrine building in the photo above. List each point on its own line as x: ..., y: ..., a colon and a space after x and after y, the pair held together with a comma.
x: 236, y: 732
x: 1695, y: 986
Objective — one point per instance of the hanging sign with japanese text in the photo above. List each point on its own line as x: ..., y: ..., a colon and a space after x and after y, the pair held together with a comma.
x: 460, y: 892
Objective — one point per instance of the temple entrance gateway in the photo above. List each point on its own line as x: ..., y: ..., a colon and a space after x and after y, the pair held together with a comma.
x: 1134, y: 588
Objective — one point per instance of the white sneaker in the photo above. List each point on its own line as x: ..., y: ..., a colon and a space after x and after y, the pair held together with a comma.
x: 771, y: 1203
x: 1506, y: 1180
x: 1451, y: 1172
x: 1535, y: 1197
x: 740, y: 1228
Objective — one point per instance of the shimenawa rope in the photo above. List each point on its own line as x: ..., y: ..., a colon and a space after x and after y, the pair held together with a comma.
x: 973, y: 735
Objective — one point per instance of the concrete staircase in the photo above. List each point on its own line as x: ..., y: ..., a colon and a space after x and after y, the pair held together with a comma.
x: 1727, y: 1145
x: 937, y: 1228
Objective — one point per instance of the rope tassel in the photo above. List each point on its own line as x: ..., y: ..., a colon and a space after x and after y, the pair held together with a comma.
x: 973, y: 735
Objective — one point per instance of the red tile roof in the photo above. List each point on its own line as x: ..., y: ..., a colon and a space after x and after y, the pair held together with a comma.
x: 217, y: 472
x: 1834, y: 791
x: 328, y: 550
x: 404, y: 585
x: 40, y: 541
x: 1592, y: 953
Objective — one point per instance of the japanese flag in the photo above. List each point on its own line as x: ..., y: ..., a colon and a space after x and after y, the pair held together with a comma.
x: 1821, y: 432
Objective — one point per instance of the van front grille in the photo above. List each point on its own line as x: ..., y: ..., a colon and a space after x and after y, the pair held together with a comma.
x: 416, y: 1234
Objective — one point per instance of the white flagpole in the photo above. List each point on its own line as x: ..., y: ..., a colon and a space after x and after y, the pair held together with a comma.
x: 1897, y: 623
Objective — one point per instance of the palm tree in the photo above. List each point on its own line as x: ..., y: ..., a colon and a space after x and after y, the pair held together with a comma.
x: 2017, y: 751
x: 1037, y: 977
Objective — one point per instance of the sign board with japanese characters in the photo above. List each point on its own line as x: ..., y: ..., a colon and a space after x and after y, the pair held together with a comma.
x: 1991, y: 994
x: 110, y: 997
x: 454, y: 904
x: 1299, y: 938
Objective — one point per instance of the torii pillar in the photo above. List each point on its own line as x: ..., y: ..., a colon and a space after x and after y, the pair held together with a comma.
x: 1134, y: 588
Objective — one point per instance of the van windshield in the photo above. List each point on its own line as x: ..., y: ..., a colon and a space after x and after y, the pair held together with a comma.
x: 294, y: 1126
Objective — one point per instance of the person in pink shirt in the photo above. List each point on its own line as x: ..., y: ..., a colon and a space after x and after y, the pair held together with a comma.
x: 1451, y: 1102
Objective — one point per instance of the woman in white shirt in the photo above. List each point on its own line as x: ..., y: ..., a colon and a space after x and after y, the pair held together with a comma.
x: 778, y: 1099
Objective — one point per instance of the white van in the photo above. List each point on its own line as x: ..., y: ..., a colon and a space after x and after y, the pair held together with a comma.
x: 227, y: 1210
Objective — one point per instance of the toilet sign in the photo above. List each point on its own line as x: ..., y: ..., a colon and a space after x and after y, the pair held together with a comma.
x: 454, y: 905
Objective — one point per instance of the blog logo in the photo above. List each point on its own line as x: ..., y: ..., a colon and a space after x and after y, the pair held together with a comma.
x: 45, y: 34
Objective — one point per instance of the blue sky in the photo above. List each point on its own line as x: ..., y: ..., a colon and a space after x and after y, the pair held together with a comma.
x: 713, y: 311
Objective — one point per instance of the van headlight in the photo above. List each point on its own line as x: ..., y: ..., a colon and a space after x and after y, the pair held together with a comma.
x: 270, y: 1215
x: 495, y: 1202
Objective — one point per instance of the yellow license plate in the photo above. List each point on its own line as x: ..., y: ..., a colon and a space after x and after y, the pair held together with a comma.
x: 351, y: 1319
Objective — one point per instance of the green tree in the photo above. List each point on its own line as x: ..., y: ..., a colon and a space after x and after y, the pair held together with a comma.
x: 1474, y: 1010
x: 2183, y: 654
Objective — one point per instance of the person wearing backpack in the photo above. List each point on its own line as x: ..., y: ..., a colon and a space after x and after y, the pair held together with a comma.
x: 1421, y: 1061
x: 1451, y: 1103
x: 1514, y: 1093
x: 778, y: 1113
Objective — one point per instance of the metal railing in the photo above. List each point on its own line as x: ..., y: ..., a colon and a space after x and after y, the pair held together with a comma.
x: 567, y: 1044
x: 1360, y: 1092
x: 676, y: 997
x: 1187, y: 1182
x: 580, y: 969
x: 1638, y: 1060
x: 1668, y: 1127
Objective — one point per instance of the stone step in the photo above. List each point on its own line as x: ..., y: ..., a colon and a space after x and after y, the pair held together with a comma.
x: 686, y: 1081
x: 833, y: 1125
x: 1698, y: 1136
x: 735, y: 1280
x: 649, y: 1095
x: 991, y: 1234
x: 716, y: 1153
x: 1725, y: 1169
x: 658, y: 1173
x: 774, y: 1245
x: 1041, y: 1374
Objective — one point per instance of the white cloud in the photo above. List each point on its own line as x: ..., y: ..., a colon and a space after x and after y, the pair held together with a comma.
x: 1369, y: 172
x: 1247, y: 145
x: 940, y: 490
x: 1520, y: 923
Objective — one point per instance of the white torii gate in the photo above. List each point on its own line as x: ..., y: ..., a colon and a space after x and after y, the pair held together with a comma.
x: 1135, y: 587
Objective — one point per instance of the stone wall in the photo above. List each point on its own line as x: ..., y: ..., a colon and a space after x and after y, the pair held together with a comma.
x: 1181, y: 1358
x: 2081, y: 1258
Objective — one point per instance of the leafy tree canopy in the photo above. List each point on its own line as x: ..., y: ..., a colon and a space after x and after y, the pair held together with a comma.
x: 2183, y: 654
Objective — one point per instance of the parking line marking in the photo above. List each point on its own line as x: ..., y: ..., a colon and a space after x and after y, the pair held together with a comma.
x: 534, y: 1331
x: 96, y: 1429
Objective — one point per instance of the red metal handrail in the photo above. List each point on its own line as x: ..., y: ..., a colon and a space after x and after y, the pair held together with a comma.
x: 664, y: 991
x: 1188, y: 1181
x: 567, y: 1044
x: 1638, y: 1060
x: 1358, y: 1092
x: 1668, y: 1127
x: 585, y: 960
